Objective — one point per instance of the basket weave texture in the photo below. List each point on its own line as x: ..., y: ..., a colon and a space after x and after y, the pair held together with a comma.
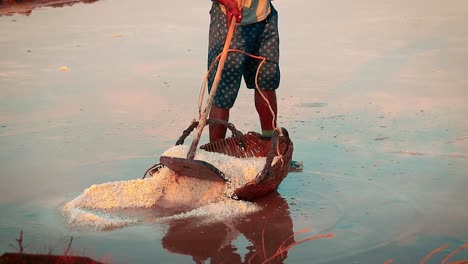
x: 278, y: 152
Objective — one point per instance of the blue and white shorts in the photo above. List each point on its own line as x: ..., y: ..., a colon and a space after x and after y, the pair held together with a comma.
x: 259, y: 39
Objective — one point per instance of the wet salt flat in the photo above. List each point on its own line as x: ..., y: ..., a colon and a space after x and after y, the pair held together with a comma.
x: 374, y: 95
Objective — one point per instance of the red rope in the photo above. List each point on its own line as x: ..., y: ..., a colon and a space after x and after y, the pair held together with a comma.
x: 257, y: 87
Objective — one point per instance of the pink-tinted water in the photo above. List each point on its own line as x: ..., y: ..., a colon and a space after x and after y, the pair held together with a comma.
x: 373, y: 94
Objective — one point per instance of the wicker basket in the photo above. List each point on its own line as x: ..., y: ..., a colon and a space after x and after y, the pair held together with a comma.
x: 278, y: 152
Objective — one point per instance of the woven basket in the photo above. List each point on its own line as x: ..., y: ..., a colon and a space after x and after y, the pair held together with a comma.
x: 278, y: 152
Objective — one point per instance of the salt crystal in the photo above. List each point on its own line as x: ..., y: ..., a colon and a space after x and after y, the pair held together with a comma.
x: 96, y: 207
x: 226, y: 209
x: 83, y: 218
x: 239, y: 171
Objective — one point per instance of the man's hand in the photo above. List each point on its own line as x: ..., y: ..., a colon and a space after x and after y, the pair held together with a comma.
x: 232, y: 10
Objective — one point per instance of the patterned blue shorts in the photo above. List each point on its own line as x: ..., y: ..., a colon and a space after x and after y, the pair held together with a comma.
x: 259, y: 39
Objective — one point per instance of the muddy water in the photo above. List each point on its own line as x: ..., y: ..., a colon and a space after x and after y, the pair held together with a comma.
x: 373, y: 94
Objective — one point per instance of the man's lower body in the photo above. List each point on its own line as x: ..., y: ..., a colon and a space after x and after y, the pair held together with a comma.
x: 260, y: 39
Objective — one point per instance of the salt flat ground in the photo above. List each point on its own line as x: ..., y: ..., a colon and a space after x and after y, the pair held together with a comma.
x: 373, y: 93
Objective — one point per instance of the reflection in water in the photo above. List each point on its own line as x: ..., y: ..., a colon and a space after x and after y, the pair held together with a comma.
x: 25, y: 7
x: 397, y: 198
x: 266, y: 230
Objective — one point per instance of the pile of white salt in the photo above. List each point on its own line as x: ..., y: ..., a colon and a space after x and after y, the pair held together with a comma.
x: 99, y: 205
x: 239, y: 171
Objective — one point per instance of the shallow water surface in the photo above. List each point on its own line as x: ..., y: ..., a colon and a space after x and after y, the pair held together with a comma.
x: 373, y: 95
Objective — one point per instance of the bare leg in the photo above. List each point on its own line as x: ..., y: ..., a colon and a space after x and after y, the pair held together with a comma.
x: 218, y: 131
x: 266, y: 117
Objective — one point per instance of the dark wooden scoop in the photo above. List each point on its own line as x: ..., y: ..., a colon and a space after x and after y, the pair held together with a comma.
x: 193, y: 168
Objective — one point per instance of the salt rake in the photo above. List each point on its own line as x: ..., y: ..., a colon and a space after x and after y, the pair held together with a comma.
x: 189, y: 166
x: 277, y: 151
x: 238, y: 145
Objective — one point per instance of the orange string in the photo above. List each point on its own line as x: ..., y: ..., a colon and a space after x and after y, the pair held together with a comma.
x: 426, y: 258
x: 281, y: 251
x: 454, y: 252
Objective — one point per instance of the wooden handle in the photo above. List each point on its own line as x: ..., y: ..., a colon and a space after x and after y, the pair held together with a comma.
x: 214, y: 87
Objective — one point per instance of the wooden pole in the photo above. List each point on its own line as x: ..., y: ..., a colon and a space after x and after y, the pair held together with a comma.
x: 214, y: 87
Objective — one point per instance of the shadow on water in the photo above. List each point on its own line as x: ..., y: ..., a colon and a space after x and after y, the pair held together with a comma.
x: 265, y: 231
